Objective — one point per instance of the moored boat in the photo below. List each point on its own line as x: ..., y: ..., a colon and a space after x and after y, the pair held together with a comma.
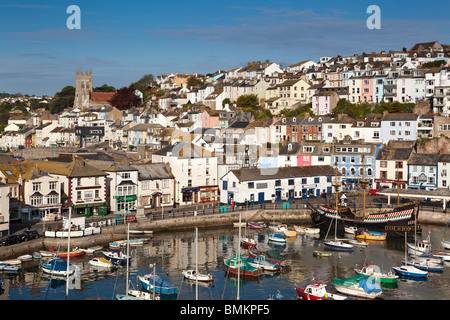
x: 138, y: 295
x: 197, y: 276
x: 238, y: 265
x: 338, y: 245
x: 306, y: 230
x: 153, y: 282
x: 410, y: 271
x: 400, y: 218
x: 91, y: 250
x: 370, y: 235
x: 101, y: 263
x: 248, y: 242
x: 317, y: 291
x: 256, y: 224
x: 350, y: 229
x: 318, y: 253
x: 57, y: 267
x: 276, y: 236
x: 262, y: 262
x: 72, y: 254
x: 371, y: 271
x: 116, y: 256
x: 359, y: 286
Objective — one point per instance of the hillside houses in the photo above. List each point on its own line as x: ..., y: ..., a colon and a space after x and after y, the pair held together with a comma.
x: 195, y: 145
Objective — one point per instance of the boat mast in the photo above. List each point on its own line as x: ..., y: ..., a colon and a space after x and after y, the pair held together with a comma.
x: 363, y: 185
x: 397, y: 164
x: 337, y: 198
x: 196, y: 263
x: 239, y: 256
x: 68, y: 252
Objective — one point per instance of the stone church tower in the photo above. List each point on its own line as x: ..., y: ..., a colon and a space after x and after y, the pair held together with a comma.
x: 83, y: 89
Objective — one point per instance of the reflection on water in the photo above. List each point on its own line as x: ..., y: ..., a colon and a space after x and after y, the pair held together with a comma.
x: 172, y: 253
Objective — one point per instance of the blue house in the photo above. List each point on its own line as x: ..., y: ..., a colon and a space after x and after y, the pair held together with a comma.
x: 355, y: 160
x: 423, y: 171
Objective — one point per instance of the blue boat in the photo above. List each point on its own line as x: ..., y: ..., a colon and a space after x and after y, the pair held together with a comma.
x: 152, y: 282
x: 260, y: 261
x: 116, y: 256
x: 425, y: 264
x: 276, y: 236
x: 410, y: 271
x: 57, y: 267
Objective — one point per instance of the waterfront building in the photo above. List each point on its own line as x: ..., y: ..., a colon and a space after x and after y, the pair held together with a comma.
x: 392, y: 167
x: 123, y: 188
x: 251, y: 186
x: 356, y: 160
x: 422, y: 171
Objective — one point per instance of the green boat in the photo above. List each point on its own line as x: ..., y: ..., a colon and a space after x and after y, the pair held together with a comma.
x: 239, y: 264
x: 372, y: 271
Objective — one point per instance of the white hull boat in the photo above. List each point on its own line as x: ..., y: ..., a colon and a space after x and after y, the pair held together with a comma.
x: 193, y: 275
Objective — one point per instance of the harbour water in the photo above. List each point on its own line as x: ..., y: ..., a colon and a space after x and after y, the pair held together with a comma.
x: 174, y: 252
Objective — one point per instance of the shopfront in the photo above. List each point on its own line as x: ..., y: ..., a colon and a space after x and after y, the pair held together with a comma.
x: 91, y: 209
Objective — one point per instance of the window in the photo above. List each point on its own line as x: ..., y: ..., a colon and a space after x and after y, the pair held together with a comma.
x: 78, y: 195
x: 291, y: 182
x: 146, y: 185
x: 37, y: 186
x: 78, y: 181
x: 52, y: 185
x: 277, y: 183
x: 251, y: 185
x: 126, y: 175
x: 97, y: 194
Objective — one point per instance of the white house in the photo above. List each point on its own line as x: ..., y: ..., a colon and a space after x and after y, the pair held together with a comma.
x: 250, y: 186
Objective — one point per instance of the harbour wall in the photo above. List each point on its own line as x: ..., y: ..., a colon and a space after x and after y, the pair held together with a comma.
x: 114, y: 233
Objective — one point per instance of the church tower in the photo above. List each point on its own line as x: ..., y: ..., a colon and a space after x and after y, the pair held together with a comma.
x: 83, y: 89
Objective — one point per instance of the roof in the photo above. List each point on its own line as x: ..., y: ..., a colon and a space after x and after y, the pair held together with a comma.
x: 283, y: 173
x: 102, y: 96
x: 424, y: 159
x: 400, y: 117
x: 153, y: 171
x: 394, y: 154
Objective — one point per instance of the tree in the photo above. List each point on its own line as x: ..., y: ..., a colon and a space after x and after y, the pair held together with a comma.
x: 144, y: 83
x: 194, y: 82
x: 248, y: 103
x: 226, y: 101
x: 62, y: 100
x: 125, y: 98
x: 300, y: 111
x: 105, y: 88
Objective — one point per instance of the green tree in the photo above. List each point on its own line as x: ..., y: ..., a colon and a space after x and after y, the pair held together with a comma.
x: 62, y: 100
x: 226, y: 101
x: 249, y: 103
x: 105, y: 88
x: 300, y: 111
x: 193, y: 81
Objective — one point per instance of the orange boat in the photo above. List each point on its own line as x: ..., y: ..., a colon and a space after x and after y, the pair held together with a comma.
x: 72, y: 254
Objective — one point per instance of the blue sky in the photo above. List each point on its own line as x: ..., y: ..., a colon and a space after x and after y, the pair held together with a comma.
x: 124, y: 40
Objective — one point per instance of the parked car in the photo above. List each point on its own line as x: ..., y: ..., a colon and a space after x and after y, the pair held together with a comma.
x: 9, y: 240
x: 29, y: 235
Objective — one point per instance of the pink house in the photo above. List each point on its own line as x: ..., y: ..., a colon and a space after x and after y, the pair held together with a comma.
x: 367, y: 90
x: 324, y: 102
x: 209, y: 119
x: 304, y: 160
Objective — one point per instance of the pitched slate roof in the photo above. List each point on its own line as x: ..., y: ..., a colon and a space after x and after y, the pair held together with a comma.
x: 283, y: 173
x: 153, y: 171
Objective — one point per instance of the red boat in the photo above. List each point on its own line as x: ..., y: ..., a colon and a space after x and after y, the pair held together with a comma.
x: 72, y: 254
x: 317, y: 291
x: 248, y: 242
